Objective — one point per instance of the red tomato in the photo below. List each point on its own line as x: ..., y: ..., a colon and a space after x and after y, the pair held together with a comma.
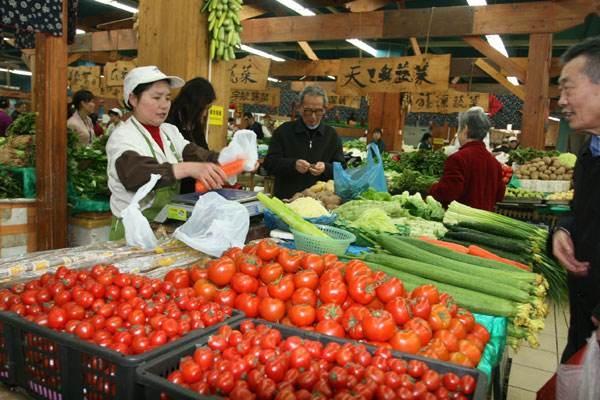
x: 421, y: 328
x: 243, y: 283
x: 452, y: 382
x: 466, y: 318
x: 282, y: 289
x: 267, y: 250
x: 304, y: 296
x: 248, y: 304
x: 379, y: 326
x: 362, y: 289
x: 406, y: 342
x: 399, y: 309
x: 306, y: 279
x: 270, y: 272
x: 352, y: 321
x: 429, y: 291
x: 480, y: 331
x: 205, y: 289
x: 290, y: 260
x: 57, y: 318
x: 390, y: 289
x: 271, y: 309
x: 248, y: 264
x: 313, y: 262
x: 178, y: 277
x: 457, y: 328
x: 302, y: 315
x: 448, y: 339
x: 226, y: 297
x: 330, y: 311
x: 221, y: 271
x: 420, y: 307
x: 330, y: 327
x: 468, y: 384
x: 333, y: 292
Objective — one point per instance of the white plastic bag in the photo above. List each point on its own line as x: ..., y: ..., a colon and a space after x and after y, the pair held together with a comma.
x: 243, y: 145
x: 137, y: 228
x: 216, y: 224
x: 581, y: 382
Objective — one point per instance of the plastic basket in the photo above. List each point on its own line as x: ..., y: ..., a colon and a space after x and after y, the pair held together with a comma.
x: 153, y: 374
x: 337, y: 243
x: 58, y: 366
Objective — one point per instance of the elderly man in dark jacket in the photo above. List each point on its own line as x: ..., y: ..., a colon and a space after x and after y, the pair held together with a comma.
x: 472, y: 175
x: 302, y: 152
x: 576, y: 242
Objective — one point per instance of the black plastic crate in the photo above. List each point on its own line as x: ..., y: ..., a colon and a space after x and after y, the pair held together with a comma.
x: 153, y: 374
x: 54, y: 365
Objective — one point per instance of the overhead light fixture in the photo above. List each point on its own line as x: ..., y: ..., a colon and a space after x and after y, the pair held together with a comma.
x: 363, y: 46
x: 292, y: 5
x: 273, y: 79
x: 16, y: 71
x: 333, y: 78
x: 477, y: 2
x: 118, y: 5
x: 261, y: 53
x: 551, y: 118
x: 79, y: 31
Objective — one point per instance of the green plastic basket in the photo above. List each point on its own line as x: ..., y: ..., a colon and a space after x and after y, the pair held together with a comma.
x: 337, y: 244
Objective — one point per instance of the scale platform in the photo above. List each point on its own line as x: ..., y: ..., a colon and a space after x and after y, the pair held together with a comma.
x: 182, y: 206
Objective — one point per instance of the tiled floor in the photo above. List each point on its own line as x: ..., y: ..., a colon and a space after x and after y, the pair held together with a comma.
x: 531, y: 368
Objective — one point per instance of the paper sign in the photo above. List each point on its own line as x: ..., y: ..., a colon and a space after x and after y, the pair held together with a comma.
x: 215, y: 115
x: 84, y: 78
x: 269, y: 97
x: 250, y: 72
x: 114, y: 72
x: 336, y: 100
x: 448, y: 102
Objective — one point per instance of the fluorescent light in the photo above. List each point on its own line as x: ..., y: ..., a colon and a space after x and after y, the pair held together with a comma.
x: 331, y: 77
x: 363, y: 46
x: 261, y: 53
x: 291, y: 4
x: 273, y: 79
x: 551, y: 118
x: 79, y: 31
x: 477, y: 2
x: 16, y: 71
x: 513, y: 80
x: 496, y: 42
x: 118, y: 5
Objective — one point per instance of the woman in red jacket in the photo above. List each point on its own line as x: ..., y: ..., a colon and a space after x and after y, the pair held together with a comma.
x: 472, y: 176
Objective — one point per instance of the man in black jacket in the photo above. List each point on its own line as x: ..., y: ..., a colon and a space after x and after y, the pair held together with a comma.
x: 576, y: 242
x: 302, y: 152
x: 253, y: 125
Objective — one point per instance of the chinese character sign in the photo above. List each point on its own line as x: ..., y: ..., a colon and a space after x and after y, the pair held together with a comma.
x: 359, y: 76
x: 448, y: 102
x: 114, y: 72
x: 84, y: 78
x: 269, y: 97
x: 336, y: 100
x: 215, y: 115
x: 250, y: 72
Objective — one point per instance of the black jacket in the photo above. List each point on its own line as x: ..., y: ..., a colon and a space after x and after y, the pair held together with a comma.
x: 257, y: 128
x: 293, y: 141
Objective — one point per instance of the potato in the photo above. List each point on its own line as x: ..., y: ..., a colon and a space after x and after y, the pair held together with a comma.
x: 535, y: 175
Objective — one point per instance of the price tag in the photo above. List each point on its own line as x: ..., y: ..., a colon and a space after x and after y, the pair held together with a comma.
x: 438, y: 140
x: 177, y: 213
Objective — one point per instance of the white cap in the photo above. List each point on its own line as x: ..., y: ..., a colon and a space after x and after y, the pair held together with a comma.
x: 147, y: 74
x: 117, y: 111
x: 512, y: 139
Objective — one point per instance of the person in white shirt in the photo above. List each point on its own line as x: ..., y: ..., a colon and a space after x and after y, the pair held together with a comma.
x: 115, y: 116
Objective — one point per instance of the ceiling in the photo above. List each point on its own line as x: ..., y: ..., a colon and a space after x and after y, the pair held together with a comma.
x: 96, y: 16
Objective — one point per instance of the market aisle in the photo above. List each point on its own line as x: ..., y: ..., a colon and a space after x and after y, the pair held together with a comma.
x: 531, y: 368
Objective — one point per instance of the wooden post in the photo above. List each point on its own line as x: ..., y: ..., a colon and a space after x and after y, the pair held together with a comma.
x: 217, y: 134
x: 50, y: 82
x: 535, y: 108
x: 385, y: 111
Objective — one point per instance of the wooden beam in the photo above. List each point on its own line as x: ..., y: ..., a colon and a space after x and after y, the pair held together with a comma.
x: 74, y: 57
x: 415, y: 46
x: 298, y: 86
x: 511, y: 68
x: 535, y: 108
x: 365, y: 5
x: 308, y: 51
x: 51, y: 141
x: 251, y: 11
x: 501, y: 79
x: 513, y: 18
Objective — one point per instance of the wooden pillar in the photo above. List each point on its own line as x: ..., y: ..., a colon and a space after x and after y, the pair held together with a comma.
x: 50, y: 82
x: 385, y: 111
x: 217, y: 134
x: 535, y: 108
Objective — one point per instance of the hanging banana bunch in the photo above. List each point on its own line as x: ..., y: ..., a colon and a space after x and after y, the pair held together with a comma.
x: 224, y: 27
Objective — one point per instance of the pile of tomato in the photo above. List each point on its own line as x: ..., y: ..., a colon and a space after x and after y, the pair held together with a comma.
x: 256, y: 362
x: 350, y: 300
x: 128, y: 313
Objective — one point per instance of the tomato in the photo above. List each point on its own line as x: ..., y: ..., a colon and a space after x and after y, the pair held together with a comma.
x: 404, y: 394
x: 271, y: 309
x: 429, y: 291
x: 267, y: 250
x: 452, y: 382
x: 461, y: 359
x: 330, y: 311
x: 220, y: 271
x: 270, y: 272
x: 226, y: 297
x: 467, y: 319
x: 333, y: 292
x: 304, y: 296
x: 400, y: 310
x: 457, y: 328
x: 352, y: 321
x: 448, y: 339
x: 306, y: 279
x: 332, y: 274
x: 480, y: 331
x: 374, y: 374
x: 442, y: 393
x: 406, y: 342
x: 432, y: 380
x: 470, y: 350
x: 282, y: 289
x: 468, y: 384
x: 313, y: 262
x: 476, y: 341
x: 300, y: 358
x: 276, y: 368
x: 248, y: 304
x: 74, y: 311
x: 330, y: 327
x: 178, y: 277
x: 248, y: 264
x: 421, y: 328
x: 243, y: 283
x: 302, y: 315
x: 420, y: 307
x: 290, y: 260
x: 57, y: 318
x: 362, y: 289
x: 390, y: 289
x: 440, y: 317
x: 205, y: 289
x: 384, y: 392
x: 378, y: 325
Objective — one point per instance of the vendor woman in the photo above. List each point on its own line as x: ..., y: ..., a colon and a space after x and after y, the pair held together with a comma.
x: 145, y: 145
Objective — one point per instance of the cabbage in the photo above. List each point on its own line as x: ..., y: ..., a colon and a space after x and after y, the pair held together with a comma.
x: 375, y: 219
x: 567, y: 159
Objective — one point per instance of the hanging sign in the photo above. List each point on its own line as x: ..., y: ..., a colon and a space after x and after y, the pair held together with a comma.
x: 336, y: 100
x: 216, y: 115
x: 269, y: 97
x: 114, y: 72
x: 359, y: 76
x: 448, y: 102
x: 84, y: 78
x: 250, y: 72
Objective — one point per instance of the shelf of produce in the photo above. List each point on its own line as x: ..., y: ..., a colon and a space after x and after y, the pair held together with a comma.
x: 153, y: 374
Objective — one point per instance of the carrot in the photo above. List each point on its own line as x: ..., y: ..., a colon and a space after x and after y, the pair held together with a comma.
x: 479, y: 252
x: 450, y: 246
x: 230, y: 169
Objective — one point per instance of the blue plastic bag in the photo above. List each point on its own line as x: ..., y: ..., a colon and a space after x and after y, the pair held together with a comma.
x: 352, y: 182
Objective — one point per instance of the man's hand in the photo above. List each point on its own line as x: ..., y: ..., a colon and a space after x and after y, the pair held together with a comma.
x: 564, y: 251
x: 317, y: 169
x: 302, y: 166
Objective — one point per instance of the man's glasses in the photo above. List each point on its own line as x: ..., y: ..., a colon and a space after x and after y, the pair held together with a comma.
x: 310, y: 111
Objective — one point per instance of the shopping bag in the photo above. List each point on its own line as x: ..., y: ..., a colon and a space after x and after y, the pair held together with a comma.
x: 242, y: 146
x: 351, y: 182
x: 216, y: 225
x: 580, y: 381
x: 137, y: 228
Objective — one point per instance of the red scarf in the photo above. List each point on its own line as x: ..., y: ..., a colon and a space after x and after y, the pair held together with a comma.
x: 155, y: 133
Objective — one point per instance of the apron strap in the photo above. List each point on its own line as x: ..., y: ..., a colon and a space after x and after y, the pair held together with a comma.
x: 171, y: 145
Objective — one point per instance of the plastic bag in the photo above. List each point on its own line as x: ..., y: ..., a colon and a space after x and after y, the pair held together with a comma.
x: 352, y: 182
x: 580, y: 382
x: 243, y: 145
x: 137, y: 228
x: 216, y: 224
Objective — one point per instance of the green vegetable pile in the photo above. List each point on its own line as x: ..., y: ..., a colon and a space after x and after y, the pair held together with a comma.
x: 355, y: 144
x: 409, y: 180
x: 414, y: 172
x: 23, y: 125
x: 10, y: 186
x: 87, y: 168
x: 523, y: 155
